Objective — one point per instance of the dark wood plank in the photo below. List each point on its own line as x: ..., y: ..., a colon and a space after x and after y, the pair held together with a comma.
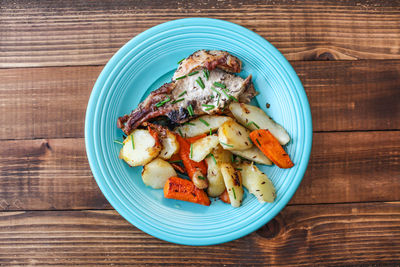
x: 53, y: 33
x: 300, y: 235
x: 344, y: 96
x: 344, y: 167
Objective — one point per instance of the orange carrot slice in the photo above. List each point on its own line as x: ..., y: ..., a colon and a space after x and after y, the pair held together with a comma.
x: 181, y: 189
x: 271, y: 148
x: 193, y: 139
x: 225, y: 197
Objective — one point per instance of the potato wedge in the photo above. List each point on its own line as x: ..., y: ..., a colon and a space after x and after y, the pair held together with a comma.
x: 197, y: 127
x: 251, y: 117
x: 142, y: 151
x: 170, y: 146
x: 233, y: 183
x: 257, y: 182
x: 233, y: 136
x: 216, y: 184
x: 202, y: 147
x: 253, y: 154
x: 157, y: 172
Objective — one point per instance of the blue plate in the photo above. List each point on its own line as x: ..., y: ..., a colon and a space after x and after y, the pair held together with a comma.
x: 141, y: 66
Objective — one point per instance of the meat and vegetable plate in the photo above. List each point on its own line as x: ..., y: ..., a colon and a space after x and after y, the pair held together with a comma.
x: 197, y: 136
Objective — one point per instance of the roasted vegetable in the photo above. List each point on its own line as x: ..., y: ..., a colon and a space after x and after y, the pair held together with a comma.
x: 255, y: 118
x: 271, y: 148
x: 225, y: 197
x: 170, y: 145
x: 233, y: 136
x: 233, y: 183
x: 202, y: 147
x: 181, y: 189
x: 201, y: 125
x: 216, y: 184
x: 253, y: 154
x: 257, y: 182
x: 139, y: 148
x: 156, y: 173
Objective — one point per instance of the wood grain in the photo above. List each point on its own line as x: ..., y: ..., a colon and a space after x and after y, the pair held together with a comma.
x: 344, y: 96
x: 344, y: 167
x: 347, y: 234
x: 49, y: 33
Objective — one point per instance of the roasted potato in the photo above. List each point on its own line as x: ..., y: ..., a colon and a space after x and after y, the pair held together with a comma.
x: 253, y: 154
x: 253, y: 118
x: 202, y: 147
x: 143, y: 149
x: 216, y: 184
x: 157, y: 172
x: 233, y: 183
x: 233, y: 136
x: 257, y: 182
x: 201, y: 125
x: 170, y: 145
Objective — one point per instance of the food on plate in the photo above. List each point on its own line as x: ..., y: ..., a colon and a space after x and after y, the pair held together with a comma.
x: 203, y: 84
x: 233, y: 182
x: 255, y: 118
x: 157, y: 172
x: 142, y: 151
x: 233, y: 136
x: 201, y: 125
x: 257, y: 182
x: 216, y: 184
x: 181, y: 189
x: 270, y: 146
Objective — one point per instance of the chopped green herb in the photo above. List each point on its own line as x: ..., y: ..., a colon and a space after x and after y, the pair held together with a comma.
x: 234, y: 98
x: 179, y: 62
x: 200, y: 83
x: 250, y: 140
x: 233, y: 158
x: 221, y: 85
x: 208, y: 106
x: 210, y: 131
x: 193, y: 73
x: 181, y: 94
x: 258, y: 142
x: 161, y: 103
x: 180, y: 132
x: 212, y: 156
x: 239, y: 169
x: 189, y: 123
x: 191, y: 150
x: 201, y: 177
x: 203, y: 121
x: 190, y: 110
x: 219, y: 97
x: 225, y: 144
x: 133, y: 142
x: 211, y: 96
x: 225, y: 93
x: 215, y: 90
x: 252, y: 122
x: 175, y: 161
x: 206, y: 74
x: 177, y: 101
x: 118, y: 142
x: 234, y: 194
x: 182, y: 77
x: 208, y: 109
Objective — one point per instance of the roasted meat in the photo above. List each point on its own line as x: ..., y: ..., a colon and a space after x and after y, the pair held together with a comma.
x: 203, y: 83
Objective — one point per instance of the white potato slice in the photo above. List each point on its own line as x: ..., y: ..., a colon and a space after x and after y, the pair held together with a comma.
x: 145, y: 148
x: 250, y: 116
x: 253, y: 154
x: 257, y: 182
x: 216, y: 184
x: 202, y: 147
x: 197, y: 126
x: 233, y: 183
x: 233, y: 136
x: 170, y: 145
x: 157, y: 172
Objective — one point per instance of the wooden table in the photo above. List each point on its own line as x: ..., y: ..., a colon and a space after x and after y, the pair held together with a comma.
x: 347, y: 208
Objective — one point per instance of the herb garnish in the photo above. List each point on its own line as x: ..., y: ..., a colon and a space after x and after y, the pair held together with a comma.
x: 190, y: 110
x: 203, y: 121
x: 193, y: 73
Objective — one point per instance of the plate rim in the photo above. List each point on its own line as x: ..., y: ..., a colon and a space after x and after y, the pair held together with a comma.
x: 302, y: 99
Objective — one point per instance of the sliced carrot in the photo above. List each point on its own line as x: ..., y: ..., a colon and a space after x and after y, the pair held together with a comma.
x: 175, y: 157
x: 193, y: 139
x: 154, y: 134
x: 225, y: 197
x: 181, y: 189
x: 271, y: 148
x: 191, y: 166
x: 178, y: 167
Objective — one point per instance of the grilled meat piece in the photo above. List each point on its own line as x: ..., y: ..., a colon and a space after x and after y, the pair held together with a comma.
x: 203, y: 81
